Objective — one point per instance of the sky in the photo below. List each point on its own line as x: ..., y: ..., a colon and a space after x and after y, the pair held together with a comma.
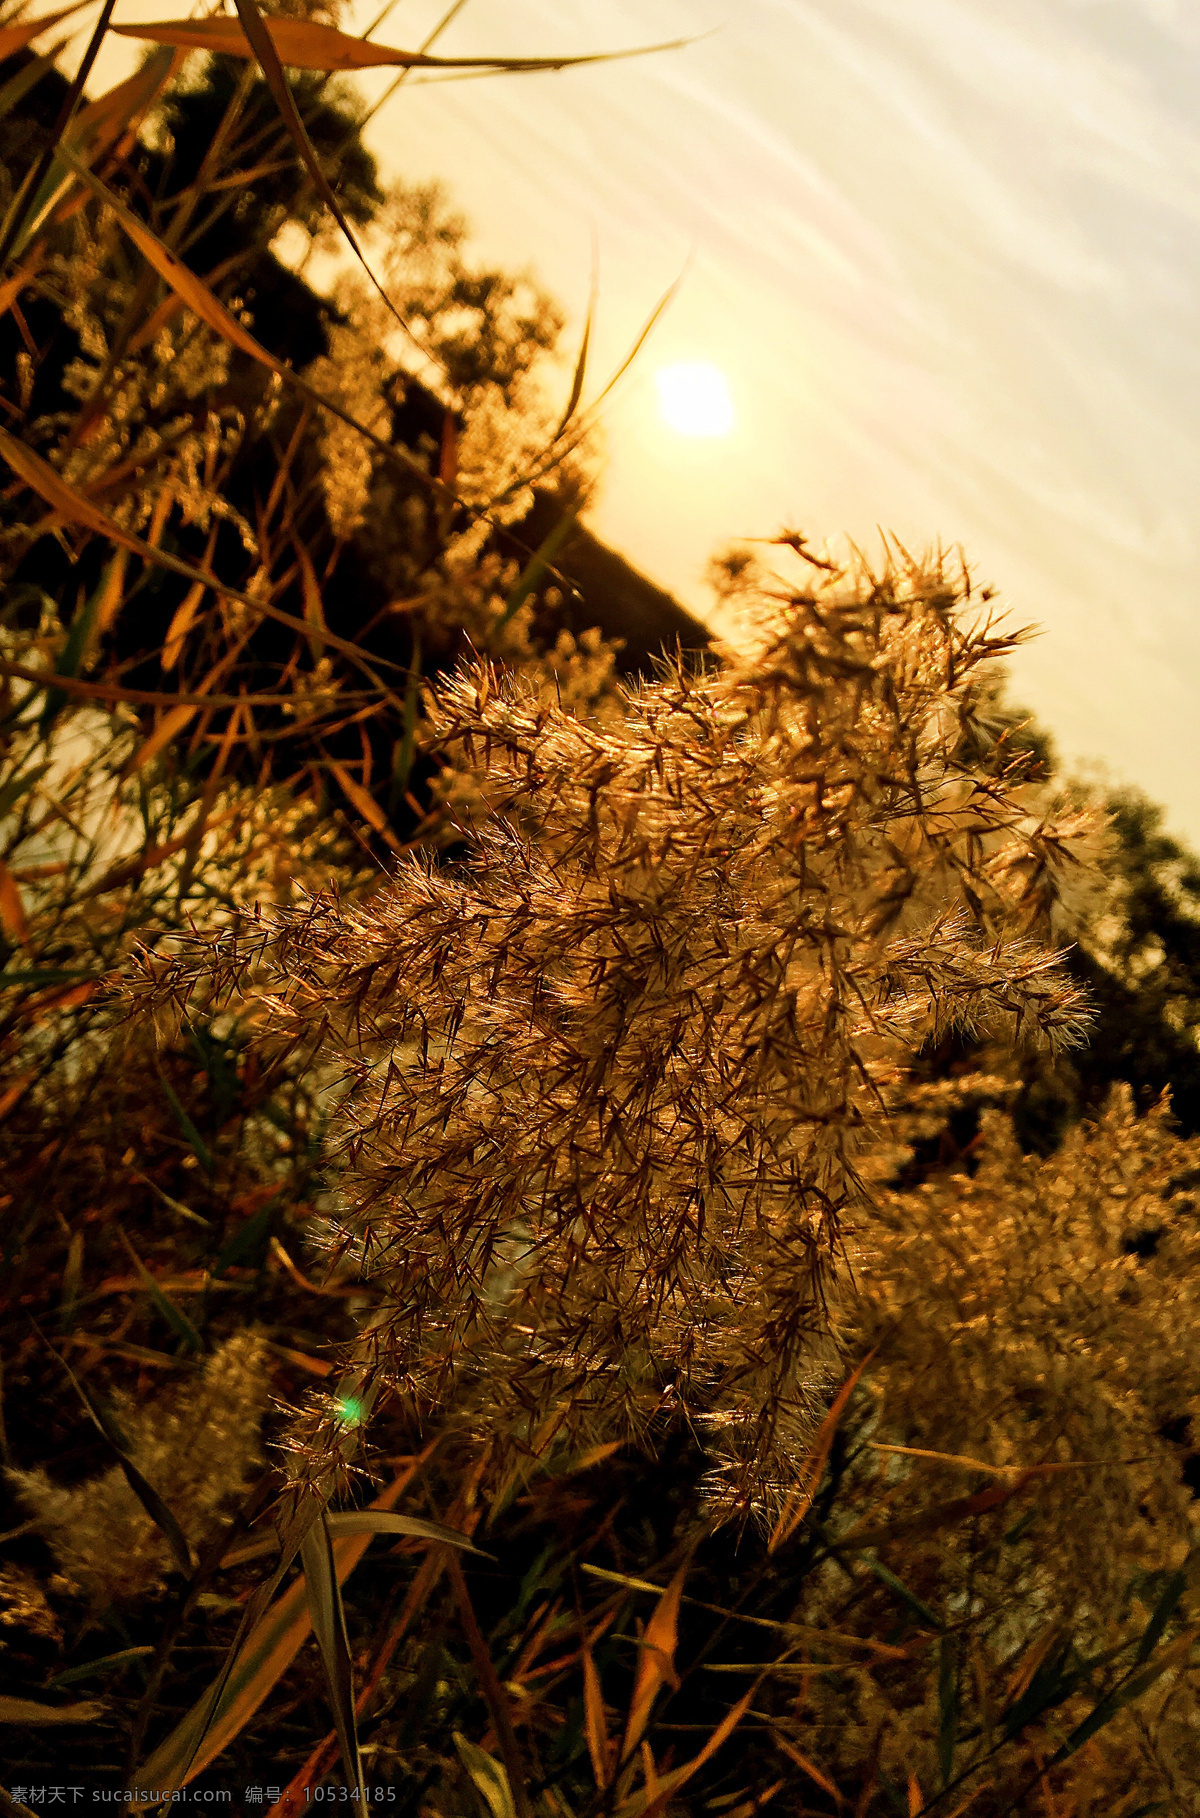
x: 946, y: 254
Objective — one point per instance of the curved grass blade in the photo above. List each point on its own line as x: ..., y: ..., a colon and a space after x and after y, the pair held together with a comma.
x: 103, y: 1664
x: 267, y: 1642
x: 270, y: 41
x: 652, y: 1803
x: 800, y: 1500
x: 376, y: 1521
x: 178, y: 1321
x: 304, y: 44
x: 488, y: 1777
x: 580, y: 373
x: 260, y: 40
x: 328, y: 1617
x: 656, y: 1661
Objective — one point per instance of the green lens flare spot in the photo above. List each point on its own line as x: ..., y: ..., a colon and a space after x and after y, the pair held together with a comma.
x: 349, y: 1410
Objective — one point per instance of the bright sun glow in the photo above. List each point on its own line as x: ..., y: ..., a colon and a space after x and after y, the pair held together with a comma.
x: 694, y: 399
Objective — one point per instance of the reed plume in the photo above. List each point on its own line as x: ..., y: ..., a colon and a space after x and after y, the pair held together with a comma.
x: 607, y: 1079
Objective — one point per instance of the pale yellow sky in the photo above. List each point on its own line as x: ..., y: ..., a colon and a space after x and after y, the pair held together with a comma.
x: 947, y: 253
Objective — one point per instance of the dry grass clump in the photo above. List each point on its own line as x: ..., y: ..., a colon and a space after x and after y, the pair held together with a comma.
x: 608, y: 1080
x: 1018, y: 1460
x: 199, y: 1446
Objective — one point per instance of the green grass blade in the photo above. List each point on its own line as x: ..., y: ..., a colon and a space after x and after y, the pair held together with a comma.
x: 199, y: 1146
x: 1164, y: 1609
x: 535, y: 569
x: 175, y: 1317
x: 20, y: 785
x: 90, y: 1668
x: 488, y: 1776
x: 902, y: 1591
x: 947, y: 1707
x: 403, y: 760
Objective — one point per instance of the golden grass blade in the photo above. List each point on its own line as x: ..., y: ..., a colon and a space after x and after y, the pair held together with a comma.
x: 195, y: 293
x: 807, y: 1767
x: 664, y: 302
x: 25, y: 1712
x: 12, y: 910
x: 262, y: 43
x: 184, y: 615
x: 651, y: 1804
x: 260, y: 1661
x: 595, y: 1728
x: 174, y: 721
x: 314, y: 608
x: 757, y: 1802
x: 121, y: 108
x: 656, y: 1661
x: 116, y: 691
x: 365, y: 804
x: 12, y: 287
x: 74, y: 508
x: 303, y: 44
x: 95, y: 128
x: 201, y: 301
x: 800, y: 1501
x: 580, y: 372
x: 15, y: 37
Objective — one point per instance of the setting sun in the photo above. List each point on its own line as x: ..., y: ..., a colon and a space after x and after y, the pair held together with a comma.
x: 694, y: 399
